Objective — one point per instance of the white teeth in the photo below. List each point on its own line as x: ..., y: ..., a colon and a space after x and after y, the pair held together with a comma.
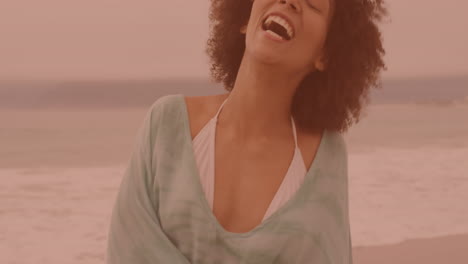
x: 282, y: 22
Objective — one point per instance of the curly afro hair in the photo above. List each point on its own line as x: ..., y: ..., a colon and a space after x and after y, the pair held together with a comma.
x: 331, y: 99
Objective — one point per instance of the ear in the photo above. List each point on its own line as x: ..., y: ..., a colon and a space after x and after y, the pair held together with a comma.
x: 243, y: 29
x: 320, y: 63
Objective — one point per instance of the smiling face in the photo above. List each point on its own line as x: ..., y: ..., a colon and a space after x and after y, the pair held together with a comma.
x: 306, y: 20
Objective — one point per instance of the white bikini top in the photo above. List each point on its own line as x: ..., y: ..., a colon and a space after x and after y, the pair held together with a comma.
x: 203, y: 145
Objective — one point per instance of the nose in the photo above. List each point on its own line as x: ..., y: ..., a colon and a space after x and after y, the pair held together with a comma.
x: 293, y: 3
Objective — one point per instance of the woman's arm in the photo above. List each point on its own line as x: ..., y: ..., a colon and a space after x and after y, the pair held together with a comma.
x: 135, y: 235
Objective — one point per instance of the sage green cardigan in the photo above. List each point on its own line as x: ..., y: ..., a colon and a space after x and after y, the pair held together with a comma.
x: 161, y: 215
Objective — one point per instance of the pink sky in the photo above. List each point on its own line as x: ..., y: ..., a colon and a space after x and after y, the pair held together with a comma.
x: 165, y: 39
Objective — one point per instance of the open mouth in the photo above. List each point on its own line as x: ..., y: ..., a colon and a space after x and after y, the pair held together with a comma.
x: 278, y: 27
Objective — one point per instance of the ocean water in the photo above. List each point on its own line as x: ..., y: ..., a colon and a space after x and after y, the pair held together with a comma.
x: 61, y: 165
x: 56, y: 215
x: 398, y: 194
x: 408, y: 172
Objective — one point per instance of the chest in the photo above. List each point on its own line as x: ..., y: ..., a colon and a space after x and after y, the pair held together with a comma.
x: 246, y: 178
x: 246, y: 183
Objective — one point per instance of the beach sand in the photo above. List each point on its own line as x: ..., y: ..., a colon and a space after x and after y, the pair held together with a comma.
x: 452, y: 249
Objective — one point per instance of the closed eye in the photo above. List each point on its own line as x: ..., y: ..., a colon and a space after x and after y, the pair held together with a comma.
x: 312, y: 6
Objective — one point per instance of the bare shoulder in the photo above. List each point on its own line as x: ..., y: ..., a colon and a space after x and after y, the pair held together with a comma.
x: 200, y: 109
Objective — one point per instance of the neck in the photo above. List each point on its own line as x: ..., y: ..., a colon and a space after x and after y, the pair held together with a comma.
x: 259, y: 105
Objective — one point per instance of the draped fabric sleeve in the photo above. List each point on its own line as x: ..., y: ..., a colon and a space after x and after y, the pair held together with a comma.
x: 135, y: 235
x: 340, y: 249
x: 347, y: 220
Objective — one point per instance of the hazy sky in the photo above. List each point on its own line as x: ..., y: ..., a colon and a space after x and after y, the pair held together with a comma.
x: 141, y: 38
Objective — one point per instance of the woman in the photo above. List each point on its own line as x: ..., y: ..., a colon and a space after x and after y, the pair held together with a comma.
x: 259, y: 174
